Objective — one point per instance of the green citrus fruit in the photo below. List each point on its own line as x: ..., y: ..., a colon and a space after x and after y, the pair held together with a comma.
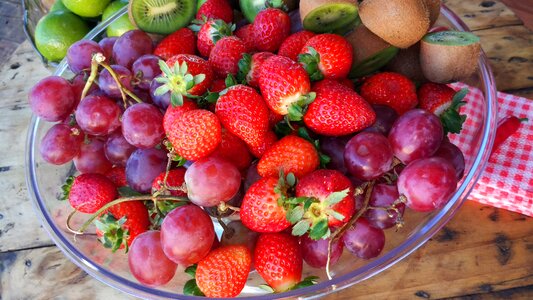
x: 122, y: 24
x: 56, y: 31
x: 58, y: 5
x: 87, y: 8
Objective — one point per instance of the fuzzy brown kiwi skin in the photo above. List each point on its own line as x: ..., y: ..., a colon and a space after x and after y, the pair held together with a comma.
x: 445, y: 64
x: 364, y: 43
x: 407, y: 62
x: 307, y: 6
x: 433, y: 8
x: 402, y: 31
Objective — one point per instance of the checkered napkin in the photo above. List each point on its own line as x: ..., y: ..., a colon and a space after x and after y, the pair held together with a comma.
x: 507, y: 181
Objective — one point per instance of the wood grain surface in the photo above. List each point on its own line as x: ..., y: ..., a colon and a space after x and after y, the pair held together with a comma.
x: 483, y: 253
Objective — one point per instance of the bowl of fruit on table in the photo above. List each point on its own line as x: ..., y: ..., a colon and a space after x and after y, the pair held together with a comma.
x: 232, y: 150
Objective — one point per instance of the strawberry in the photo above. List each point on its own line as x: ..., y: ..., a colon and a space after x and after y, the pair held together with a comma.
x: 224, y: 271
x: 249, y: 67
x: 174, y: 180
x: 215, y: 9
x: 88, y: 192
x: 245, y: 34
x: 234, y: 150
x: 193, y: 134
x: 337, y: 110
x: 274, y: 118
x: 347, y: 83
x: 260, y: 210
x: 390, y: 89
x: 195, y: 66
x: 278, y: 259
x: 444, y: 102
x: 217, y: 86
x: 173, y: 113
x: 283, y: 83
x: 326, y: 56
x: 117, y: 175
x: 244, y: 113
x: 225, y: 56
x: 292, y: 154
x: 269, y: 140
x: 292, y: 45
x: 126, y: 222
x: 270, y: 28
x: 332, y: 202
x: 210, y: 33
x: 182, y: 41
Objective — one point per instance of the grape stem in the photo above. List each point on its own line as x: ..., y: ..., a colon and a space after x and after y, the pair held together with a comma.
x: 92, y: 77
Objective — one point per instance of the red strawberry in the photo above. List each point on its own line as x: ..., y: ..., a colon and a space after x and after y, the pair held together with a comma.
x: 218, y: 85
x: 234, y: 150
x: 244, y: 113
x: 327, y: 56
x: 174, y: 180
x: 216, y: 9
x: 195, y: 66
x: 173, y: 113
x: 210, y: 33
x: 245, y: 34
x: 274, y: 118
x: 89, y: 192
x: 337, y: 110
x: 443, y: 101
x: 347, y: 83
x: 270, y: 28
x: 390, y: 89
x: 292, y: 45
x: 269, y: 140
x: 117, y: 175
x: 260, y: 210
x: 182, y: 41
x: 194, y: 134
x: 224, y: 271
x: 250, y: 65
x: 321, y: 185
x: 278, y: 259
x: 292, y: 154
x: 225, y: 56
x: 283, y: 82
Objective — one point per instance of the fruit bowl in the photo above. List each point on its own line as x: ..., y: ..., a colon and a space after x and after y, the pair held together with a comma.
x: 44, y: 180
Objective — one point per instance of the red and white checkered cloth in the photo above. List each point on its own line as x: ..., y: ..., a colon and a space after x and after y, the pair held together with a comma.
x: 507, y: 181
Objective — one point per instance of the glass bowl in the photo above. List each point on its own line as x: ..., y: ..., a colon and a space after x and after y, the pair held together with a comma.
x: 44, y: 181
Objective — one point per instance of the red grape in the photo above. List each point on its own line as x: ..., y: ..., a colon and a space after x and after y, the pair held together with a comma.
x: 368, y: 155
x: 384, y: 196
x: 98, y: 115
x: 363, y: 240
x: 78, y: 84
x: 52, y: 98
x: 162, y: 101
x: 315, y: 253
x: 145, y: 68
x: 130, y: 46
x: 142, y: 125
x: 416, y: 134
x: 143, y: 166
x: 427, y: 183
x: 147, y: 261
x: 108, y: 84
x: 61, y: 144
x: 334, y: 148
x: 91, y: 158
x: 453, y: 154
x: 107, y: 44
x: 251, y: 176
x: 212, y: 180
x: 117, y: 149
x: 187, y: 234
x: 80, y: 54
x: 235, y: 201
x: 385, y: 117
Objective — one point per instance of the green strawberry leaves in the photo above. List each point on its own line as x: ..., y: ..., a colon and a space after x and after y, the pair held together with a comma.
x: 310, y: 62
x: 65, y: 188
x: 178, y: 81
x: 191, y: 288
x: 308, y: 281
x: 245, y: 65
x: 451, y: 120
x: 113, y: 233
x: 324, y: 159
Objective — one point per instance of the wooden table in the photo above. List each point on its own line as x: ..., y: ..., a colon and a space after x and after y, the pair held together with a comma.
x: 483, y: 253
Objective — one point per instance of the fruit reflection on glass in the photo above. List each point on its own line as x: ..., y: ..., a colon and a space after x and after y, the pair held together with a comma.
x: 210, y: 126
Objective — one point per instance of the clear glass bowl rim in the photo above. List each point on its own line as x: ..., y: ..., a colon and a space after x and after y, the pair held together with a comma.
x: 372, y: 268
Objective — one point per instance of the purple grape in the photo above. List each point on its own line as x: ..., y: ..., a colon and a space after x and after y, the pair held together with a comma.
x: 117, y: 149
x: 142, y: 125
x: 107, y: 83
x: 78, y: 84
x: 162, y: 101
x: 416, y: 134
x: 130, y: 46
x: 315, y: 253
x: 384, y: 196
x: 143, y: 166
x: 91, y: 158
x: 453, y: 154
x: 61, y: 144
x: 145, y: 68
x: 363, y: 240
x: 98, y: 115
x: 251, y: 176
x: 385, y: 117
x: 80, y: 54
x: 334, y: 148
x: 52, y: 98
x: 107, y: 46
x: 368, y: 155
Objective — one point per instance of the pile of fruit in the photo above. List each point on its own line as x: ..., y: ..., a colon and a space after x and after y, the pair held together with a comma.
x: 298, y: 141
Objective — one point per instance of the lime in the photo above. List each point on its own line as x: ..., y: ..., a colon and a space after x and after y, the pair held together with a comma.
x: 58, y: 5
x: 86, y: 8
x: 122, y: 24
x: 56, y: 31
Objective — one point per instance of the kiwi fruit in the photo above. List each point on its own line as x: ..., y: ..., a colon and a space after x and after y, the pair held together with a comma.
x: 407, y: 62
x: 370, y: 52
x: 448, y: 56
x: 161, y: 16
x: 433, y: 8
x: 401, y: 23
x: 328, y: 15
x: 250, y: 8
